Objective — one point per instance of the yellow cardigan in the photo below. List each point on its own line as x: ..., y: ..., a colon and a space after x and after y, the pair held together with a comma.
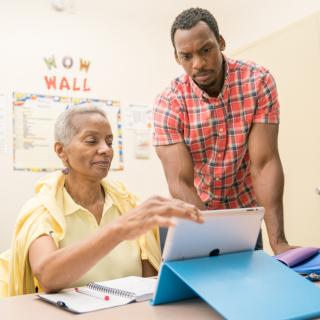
x: 15, y: 272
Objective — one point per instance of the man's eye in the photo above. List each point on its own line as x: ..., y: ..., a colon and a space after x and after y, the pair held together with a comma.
x: 185, y: 57
x: 109, y: 143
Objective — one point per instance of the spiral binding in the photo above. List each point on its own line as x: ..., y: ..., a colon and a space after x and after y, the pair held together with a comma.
x: 109, y: 290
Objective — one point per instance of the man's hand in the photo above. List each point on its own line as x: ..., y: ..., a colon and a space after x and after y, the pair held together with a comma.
x: 282, y: 247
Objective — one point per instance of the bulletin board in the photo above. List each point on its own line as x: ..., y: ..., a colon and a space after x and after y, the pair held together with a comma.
x: 34, y: 117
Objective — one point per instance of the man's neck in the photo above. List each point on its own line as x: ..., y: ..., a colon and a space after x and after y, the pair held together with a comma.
x: 216, y: 88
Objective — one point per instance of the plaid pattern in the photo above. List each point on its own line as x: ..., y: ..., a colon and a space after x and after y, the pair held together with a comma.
x: 216, y: 130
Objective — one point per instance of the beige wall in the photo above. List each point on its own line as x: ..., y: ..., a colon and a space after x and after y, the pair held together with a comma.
x: 293, y: 56
x: 129, y: 46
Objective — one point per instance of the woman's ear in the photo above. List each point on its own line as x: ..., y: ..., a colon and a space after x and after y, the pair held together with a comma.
x: 222, y: 43
x: 59, y: 149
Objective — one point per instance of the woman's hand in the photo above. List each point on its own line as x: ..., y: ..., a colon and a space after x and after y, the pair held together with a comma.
x: 156, y: 211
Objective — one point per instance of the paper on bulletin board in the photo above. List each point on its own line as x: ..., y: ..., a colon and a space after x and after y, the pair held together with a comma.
x: 138, y: 118
x: 34, y: 117
x: 3, y: 125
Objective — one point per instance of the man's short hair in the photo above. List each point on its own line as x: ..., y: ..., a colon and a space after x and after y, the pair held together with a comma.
x: 65, y: 128
x: 187, y: 19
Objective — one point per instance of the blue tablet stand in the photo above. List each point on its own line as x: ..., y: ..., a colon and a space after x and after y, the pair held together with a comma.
x: 244, y: 285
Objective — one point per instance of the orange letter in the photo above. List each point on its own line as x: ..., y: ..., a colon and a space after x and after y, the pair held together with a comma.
x: 50, y: 82
x: 85, y: 85
x: 74, y: 87
x: 64, y: 84
x: 84, y: 65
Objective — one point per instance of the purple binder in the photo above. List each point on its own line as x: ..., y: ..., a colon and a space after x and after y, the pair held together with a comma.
x: 296, y: 256
x: 302, y: 260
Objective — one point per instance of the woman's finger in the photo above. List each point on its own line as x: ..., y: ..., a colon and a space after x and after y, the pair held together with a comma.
x: 182, y: 209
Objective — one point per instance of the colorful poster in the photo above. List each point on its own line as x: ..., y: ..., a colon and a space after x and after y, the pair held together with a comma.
x: 33, y: 129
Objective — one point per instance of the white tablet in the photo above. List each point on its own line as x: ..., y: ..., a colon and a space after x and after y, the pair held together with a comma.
x: 223, y: 231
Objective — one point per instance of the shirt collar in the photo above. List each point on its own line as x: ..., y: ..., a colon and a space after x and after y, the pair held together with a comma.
x: 70, y: 206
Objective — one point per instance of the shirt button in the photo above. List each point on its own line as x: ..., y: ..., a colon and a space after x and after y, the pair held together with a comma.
x: 220, y: 130
x: 219, y: 155
x: 217, y: 179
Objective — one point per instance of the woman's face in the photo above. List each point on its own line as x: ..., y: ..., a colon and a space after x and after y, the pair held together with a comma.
x: 89, y: 153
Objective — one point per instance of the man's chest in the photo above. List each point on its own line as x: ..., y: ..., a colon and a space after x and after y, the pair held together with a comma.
x: 218, y: 127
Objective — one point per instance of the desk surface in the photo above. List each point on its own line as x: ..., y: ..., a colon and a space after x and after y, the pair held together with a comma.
x: 30, y: 307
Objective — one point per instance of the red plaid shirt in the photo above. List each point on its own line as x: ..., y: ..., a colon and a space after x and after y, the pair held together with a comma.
x: 216, y: 130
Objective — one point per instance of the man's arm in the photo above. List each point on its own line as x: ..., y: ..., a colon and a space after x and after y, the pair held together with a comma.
x: 268, y: 181
x: 178, y: 168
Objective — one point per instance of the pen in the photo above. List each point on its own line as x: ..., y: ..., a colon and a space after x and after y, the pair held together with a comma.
x: 94, y: 294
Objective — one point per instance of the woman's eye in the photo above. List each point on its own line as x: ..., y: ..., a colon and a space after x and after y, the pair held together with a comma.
x: 206, y: 50
x: 91, y: 141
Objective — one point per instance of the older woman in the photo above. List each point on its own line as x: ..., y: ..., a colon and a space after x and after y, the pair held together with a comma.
x: 79, y: 227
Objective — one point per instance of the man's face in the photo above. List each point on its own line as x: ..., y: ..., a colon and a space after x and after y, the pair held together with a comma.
x: 199, y: 53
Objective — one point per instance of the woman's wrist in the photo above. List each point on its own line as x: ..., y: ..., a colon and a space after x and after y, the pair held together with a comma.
x: 117, y: 231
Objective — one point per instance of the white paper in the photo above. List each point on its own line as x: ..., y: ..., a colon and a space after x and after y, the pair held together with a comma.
x: 141, y: 287
x: 80, y: 303
x: 138, y: 117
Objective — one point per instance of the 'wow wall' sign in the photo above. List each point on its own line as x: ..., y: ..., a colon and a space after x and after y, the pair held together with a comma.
x: 67, y: 83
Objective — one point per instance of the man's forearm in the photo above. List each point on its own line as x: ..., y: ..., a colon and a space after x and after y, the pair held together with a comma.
x: 179, y: 170
x: 268, y: 183
x: 186, y: 192
x: 275, y: 225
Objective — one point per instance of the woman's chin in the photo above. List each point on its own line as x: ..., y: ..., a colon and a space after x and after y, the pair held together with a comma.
x: 102, y: 172
x: 98, y: 174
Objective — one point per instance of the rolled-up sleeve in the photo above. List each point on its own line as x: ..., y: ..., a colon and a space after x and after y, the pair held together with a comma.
x: 267, y: 110
x: 166, y: 121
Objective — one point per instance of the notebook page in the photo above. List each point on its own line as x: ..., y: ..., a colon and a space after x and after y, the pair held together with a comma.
x: 80, y: 303
x: 143, y: 288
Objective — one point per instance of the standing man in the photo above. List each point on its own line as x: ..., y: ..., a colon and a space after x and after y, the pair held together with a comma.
x: 216, y: 127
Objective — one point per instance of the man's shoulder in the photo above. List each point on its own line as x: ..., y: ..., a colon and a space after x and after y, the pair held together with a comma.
x: 246, y: 69
x: 178, y: 87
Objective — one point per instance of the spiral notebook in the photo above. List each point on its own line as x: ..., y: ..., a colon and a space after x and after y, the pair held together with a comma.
x: 102, y: 295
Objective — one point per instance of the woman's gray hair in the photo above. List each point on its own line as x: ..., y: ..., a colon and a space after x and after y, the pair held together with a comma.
x: 65, y: 129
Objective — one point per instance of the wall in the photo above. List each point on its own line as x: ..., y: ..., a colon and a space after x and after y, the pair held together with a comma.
x: 132, y: 60
x: 293, y: 57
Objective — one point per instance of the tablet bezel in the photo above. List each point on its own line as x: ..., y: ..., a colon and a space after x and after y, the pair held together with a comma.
x: 224, y: 231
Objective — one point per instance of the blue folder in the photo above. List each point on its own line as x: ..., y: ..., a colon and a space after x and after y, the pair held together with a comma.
x: 311, y: 265
x: 244, y: 285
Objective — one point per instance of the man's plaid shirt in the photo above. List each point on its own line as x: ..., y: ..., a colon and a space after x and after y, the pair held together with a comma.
x: 216, y: 130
